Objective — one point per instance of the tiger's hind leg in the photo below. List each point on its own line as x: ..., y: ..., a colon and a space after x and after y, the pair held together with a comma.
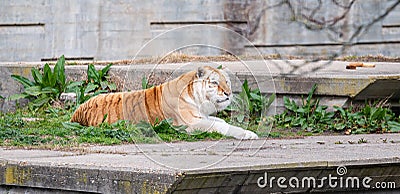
x: 98, y: 109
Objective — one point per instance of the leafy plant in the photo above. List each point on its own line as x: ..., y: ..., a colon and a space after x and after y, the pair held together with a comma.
x: 47, y: 84
x: 314, y: 117
x: 250, y: 106
x: 97, y: 79
x: 84, y: 92
x: 362, y: 140
x: 145, y: 83
x: 95, y: 84
x: 309, y: 115
x: 368, y: 119
x: 394, y: 126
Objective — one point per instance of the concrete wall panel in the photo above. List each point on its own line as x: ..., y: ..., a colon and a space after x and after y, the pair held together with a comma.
x: 112, y: 30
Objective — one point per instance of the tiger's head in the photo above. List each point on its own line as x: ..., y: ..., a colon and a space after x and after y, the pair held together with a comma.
x: 216, y: 88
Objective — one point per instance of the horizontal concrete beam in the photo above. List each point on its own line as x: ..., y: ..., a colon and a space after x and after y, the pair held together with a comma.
x: 303, y: 176
x: 83, y: 178
x: 336, y: 84
x: 226, y: 166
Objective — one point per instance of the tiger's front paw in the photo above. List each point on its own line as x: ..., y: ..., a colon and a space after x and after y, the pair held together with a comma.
x: 247, y: 135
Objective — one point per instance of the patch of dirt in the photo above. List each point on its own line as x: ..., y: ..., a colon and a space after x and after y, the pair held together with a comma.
x: 370, y: 58
x: 184, y: 58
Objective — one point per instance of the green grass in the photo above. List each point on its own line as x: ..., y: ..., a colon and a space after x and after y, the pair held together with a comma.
x: 16, y: 129
x: 40, y: 125
x: 50, y: 128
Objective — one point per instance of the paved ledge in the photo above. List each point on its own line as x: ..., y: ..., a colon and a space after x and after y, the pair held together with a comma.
x: 336, y: 84
x: 229, y: 166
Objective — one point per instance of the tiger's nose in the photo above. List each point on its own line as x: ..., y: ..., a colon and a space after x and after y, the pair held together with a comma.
x: 227, y: 93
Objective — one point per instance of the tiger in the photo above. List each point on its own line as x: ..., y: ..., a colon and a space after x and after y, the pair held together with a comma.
x: 188, y: 100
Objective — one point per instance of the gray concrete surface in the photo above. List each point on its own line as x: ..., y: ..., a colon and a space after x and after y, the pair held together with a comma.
x: 226, y: 166
x: 103, y: 30
x: 336, y: 85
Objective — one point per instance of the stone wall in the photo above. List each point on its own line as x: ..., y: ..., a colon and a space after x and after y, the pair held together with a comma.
x: 111, y: 30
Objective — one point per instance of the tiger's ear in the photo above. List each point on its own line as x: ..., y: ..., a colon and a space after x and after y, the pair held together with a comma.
x: 200, y: 72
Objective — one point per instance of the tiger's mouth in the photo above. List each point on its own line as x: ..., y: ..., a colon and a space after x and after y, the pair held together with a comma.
x: 224, y: 100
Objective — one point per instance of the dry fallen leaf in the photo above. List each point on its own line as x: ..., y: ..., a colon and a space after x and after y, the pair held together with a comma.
x: 354, y: 65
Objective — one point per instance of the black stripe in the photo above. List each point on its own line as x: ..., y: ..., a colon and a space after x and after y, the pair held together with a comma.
x: 198, y: 22
x: 324, y: 44
x: 21, y: 24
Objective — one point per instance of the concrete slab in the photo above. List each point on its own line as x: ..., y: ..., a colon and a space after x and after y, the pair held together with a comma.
x: 214, y: 166
x: 229, y: 166
x: 336, y: 84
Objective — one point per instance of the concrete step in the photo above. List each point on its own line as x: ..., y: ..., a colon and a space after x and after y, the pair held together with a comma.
x: 336, y: 84
x: 357, y: 163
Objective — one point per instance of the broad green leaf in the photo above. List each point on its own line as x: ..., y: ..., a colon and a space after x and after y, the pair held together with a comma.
x: 245, y: 95
x: 361, y: 122
x: 41, y: 101
x: 377, y: 113
x: 286, y: 101
x: 18, y: 96
x: 105, y: 69
x: 23, y: 80
x: 34, y: 90
x: 290, y: 104
x: 248, y: 103
x: 303, y: 123
x: 287, y: 119
x: 255, y: 96
x: 145, y: 83
x: 49, y: 79
x: 90, y: 87
x: 71, y: 86
x: 93, y: 74
x: 49, y: 90
x: 246, y: 88
x: 72, y: 126
x: 37, y: 76
x: 180, y: 128
x: 367, y: 110
x: 99, y: 92
x: 104, y: 84
x: 301, y: 110
x: 394, y: 126
x: 310, y: 94
x: 112, y: 86
x: 79, y: 95
x: 59, y: 71
x: 341, y: 110
x: 240, y: 118
x: 340, y: 126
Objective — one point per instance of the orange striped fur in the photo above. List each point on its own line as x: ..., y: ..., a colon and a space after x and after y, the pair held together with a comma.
x: 187, y: 100
x: 169, y: 100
